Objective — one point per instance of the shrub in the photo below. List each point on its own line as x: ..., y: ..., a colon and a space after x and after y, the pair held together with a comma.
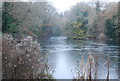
x: 21, y: 59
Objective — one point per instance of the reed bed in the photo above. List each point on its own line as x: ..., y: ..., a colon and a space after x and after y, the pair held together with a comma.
x: 88, y: 70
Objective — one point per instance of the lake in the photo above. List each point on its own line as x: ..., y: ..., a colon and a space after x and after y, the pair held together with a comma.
x: 64, y: 53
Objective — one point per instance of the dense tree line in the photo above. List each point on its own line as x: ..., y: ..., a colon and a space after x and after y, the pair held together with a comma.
x: 36, y: 19
x: 97, y: 20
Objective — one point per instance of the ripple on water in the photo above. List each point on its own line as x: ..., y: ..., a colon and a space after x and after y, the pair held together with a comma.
x: 65, y: 53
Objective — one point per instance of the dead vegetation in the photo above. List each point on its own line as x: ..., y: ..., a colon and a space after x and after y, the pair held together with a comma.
x: 23, y: 59
x: 88, y: 70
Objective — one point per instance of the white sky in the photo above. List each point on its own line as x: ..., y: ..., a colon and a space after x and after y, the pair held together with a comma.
x: 63, y: 5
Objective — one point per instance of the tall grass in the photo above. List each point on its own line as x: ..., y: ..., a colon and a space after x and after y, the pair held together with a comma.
x: 88, y: 70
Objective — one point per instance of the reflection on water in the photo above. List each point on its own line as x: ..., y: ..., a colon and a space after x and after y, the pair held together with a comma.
x: 64, y: 54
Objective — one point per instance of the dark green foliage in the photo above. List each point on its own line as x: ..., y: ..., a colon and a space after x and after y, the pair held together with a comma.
x: 79, y: 28
x: 98, y: 5
x: 110, y: 29
x: 9, y: 24
x: 85, y: 13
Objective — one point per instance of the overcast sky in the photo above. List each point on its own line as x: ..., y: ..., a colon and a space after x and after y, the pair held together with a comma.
x: 63, y: 5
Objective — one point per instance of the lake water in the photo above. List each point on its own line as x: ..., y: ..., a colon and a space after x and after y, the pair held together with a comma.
x: 64, y: 54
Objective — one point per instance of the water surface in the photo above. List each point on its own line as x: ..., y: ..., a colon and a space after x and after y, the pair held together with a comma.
x: 64, y: 54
